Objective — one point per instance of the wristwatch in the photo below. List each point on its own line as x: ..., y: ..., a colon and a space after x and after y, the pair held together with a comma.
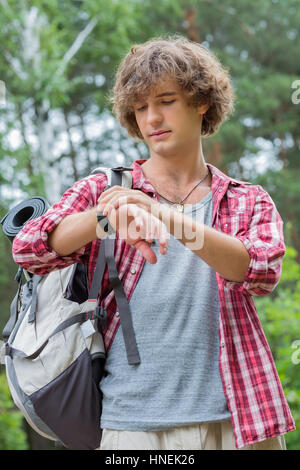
x: 104, y: 224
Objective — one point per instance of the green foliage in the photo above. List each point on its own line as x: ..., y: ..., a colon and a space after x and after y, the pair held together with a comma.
x: 8, y: 269
x: 257, y: 41
x: 280, y: 316
x: 12, y: 435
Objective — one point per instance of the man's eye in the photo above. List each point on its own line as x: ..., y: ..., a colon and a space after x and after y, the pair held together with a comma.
x: 142, y: 108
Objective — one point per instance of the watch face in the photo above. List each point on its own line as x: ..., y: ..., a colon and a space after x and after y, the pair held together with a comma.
x: 102, y: 221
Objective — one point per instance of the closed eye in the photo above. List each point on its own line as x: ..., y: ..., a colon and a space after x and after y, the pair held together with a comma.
x: 142, y: 108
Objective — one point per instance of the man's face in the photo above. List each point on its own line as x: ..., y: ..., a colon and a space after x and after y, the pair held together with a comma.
x: 167, y: 123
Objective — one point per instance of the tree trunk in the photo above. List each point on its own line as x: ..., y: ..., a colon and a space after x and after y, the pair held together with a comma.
x: 192, y: 30
x: 71, y: 146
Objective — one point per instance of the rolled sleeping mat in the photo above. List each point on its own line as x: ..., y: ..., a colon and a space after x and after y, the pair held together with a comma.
x: 26, y: 210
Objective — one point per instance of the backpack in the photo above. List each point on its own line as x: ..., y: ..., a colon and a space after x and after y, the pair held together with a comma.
x: 53, y: 348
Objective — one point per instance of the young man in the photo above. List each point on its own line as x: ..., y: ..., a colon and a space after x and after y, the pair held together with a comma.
x: 207, y: 378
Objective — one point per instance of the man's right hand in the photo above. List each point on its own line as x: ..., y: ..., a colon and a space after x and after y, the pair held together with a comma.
x: 139, y: 228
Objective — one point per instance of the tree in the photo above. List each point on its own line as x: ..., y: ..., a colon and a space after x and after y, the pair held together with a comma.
x: 58, y: 61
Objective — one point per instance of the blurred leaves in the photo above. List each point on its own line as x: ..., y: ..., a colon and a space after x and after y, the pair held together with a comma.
x: 12, y: 435
x: 58, y: 60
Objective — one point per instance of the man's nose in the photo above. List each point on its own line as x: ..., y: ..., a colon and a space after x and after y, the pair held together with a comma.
x: 154, y: 115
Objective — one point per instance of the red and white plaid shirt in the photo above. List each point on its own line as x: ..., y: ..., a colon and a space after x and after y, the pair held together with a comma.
x: 252, y: 387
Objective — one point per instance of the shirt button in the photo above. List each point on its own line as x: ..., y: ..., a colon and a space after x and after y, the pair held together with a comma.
x: 220, y: 190
x: 133, y: 271
x: 226, y: 225
x: 229, y: 387
x: 222, y: 345
x: 117, y: 314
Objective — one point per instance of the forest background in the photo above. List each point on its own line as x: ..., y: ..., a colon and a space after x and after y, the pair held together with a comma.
x: 57, y: 65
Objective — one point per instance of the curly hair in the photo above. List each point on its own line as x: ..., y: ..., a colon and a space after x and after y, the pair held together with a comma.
x: 196, y: 70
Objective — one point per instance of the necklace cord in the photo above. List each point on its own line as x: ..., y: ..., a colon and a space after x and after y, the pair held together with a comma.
x: 172, y: 202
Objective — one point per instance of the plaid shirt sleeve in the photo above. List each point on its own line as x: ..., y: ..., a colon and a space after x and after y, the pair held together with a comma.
x: 30, y: 247
x: 264, y: 241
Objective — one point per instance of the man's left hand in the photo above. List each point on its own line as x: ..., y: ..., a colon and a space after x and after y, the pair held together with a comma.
x: 117, y: 196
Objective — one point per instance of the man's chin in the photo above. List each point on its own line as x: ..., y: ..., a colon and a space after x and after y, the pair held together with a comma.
x: 163, y: 150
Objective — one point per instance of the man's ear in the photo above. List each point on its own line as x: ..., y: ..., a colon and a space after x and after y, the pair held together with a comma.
x: 202, y: 108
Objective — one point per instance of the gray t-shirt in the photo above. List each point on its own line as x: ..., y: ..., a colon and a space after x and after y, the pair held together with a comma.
x: 175, y: 311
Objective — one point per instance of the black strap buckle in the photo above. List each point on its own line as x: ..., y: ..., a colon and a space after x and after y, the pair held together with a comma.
x: 101, y: 314
x: 7, y: 350
x: 103, y: 221
x: 122, y: 168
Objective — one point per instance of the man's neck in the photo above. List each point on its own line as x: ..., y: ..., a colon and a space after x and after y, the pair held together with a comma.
x: 177, y: 172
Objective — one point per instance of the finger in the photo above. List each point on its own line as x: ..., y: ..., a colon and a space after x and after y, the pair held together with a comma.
x: 138, y: 227
x: 156, y: 228
x: 163, y: 237
x: 150, y: 238
x: 132, y: 202
x: 123, y: 200
x: 107, y: 194
x: 107, y: 209
x: 134, y: 210
x: 139, y: 222
x: 163, y: 249
x: 103, y: 201
x: 109, y: 204
x: 147, y: 252
x: 119, y: 199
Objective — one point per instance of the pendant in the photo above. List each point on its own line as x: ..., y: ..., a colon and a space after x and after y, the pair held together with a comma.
x: 180, y: 207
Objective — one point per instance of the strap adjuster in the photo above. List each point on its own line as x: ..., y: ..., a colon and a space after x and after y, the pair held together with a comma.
x: 101, y: 314
x: 7, y: 349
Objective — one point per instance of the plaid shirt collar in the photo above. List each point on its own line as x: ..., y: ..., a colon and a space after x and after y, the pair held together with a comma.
x: 219, y: 184
x: 218, y: 177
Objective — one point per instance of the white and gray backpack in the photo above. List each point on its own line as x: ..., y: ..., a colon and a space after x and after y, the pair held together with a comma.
x: 53, y: 346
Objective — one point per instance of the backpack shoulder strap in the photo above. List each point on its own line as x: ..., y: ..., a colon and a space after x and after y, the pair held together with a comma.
x: 116, y: 176
x: 123, y: 175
